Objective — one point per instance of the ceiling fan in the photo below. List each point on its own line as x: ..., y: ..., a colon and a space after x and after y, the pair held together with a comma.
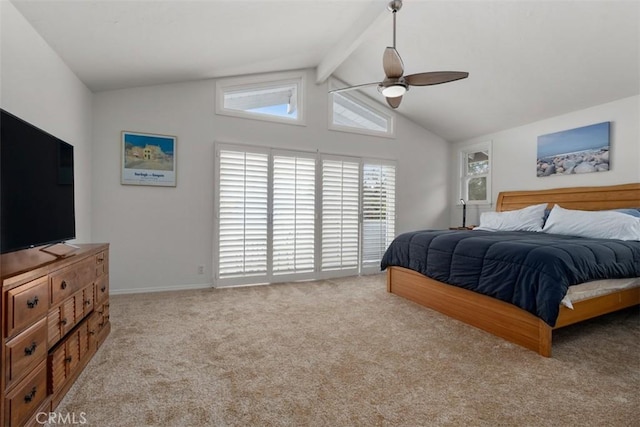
x: 395, y: 85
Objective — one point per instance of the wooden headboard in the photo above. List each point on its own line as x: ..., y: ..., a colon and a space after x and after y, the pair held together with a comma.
x: 583, y: 198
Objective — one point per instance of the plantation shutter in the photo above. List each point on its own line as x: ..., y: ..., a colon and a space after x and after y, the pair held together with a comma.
x: 340, y: 214
x: 378, y: 211
x: 242, y: 213
x: 294, y: 195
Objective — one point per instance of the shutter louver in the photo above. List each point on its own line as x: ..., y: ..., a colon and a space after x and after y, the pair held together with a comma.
x: 378, y: 211
x: 340, y: 214
x: 243, y: 214
x: 293, y: 214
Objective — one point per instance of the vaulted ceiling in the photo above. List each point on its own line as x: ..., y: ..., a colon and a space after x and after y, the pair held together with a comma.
x: 528, y: 60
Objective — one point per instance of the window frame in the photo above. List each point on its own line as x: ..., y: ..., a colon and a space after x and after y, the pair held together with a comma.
x: 464, y: 176
x: 264, y: 81
x: 365, y: 102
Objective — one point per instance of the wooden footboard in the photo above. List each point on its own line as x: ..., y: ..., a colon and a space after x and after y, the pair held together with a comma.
x: 489, y: 314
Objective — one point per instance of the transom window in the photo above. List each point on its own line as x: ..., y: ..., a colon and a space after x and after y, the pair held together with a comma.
x: 262, y: 98
x: 352, y: 112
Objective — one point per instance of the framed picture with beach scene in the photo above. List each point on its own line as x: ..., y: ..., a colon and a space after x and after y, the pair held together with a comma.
x: 574, y: 151
x: 148, y: 159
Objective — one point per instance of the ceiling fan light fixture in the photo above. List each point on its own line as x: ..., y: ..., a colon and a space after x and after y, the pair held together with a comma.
x: 394, y: 91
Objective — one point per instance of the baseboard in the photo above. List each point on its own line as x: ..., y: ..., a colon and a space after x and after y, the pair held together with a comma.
x: 162, y: 289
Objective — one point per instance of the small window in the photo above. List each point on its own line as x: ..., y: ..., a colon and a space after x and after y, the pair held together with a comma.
x: 353, y: 112
x: 476, y: 173
x: 272, y: 98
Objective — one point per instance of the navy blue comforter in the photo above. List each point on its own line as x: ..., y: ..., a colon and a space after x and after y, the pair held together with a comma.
x: 528, y: 269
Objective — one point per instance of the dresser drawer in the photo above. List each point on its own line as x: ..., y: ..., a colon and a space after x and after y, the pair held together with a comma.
x: 54, y: 327
x: 27, y: 396
x: 83, y: 335
x: 103, y: 310
x: 64, y: 360
x: 102, y: 289
x: 68, y: 315
x: 25, y: 351
x: 73, y: 351
x: 94, y: 324
x: 69, y: 280
x: 88, y: 299
x: 26, y: 304
x: 58, y: 369
x: 102, y: 264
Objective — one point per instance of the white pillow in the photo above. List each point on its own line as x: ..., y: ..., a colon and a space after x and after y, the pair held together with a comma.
x: 594, y: 224
x: 527, y: 219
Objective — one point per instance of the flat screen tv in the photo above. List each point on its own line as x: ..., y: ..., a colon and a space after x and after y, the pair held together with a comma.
x: 36, y: 186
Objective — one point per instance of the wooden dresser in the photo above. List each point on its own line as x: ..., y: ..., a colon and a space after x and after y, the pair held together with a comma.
x: 55, y: 315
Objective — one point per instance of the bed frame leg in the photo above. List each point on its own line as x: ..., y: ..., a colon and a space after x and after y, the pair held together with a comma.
x: 544, y: 347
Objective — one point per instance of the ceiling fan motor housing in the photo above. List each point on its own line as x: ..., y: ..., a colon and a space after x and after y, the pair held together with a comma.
x: 395, y: 5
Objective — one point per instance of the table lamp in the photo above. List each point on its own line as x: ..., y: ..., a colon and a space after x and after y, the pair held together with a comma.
x: 464, y: 213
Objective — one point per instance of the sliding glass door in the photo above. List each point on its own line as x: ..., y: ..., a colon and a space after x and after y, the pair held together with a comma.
x: 286, y: 215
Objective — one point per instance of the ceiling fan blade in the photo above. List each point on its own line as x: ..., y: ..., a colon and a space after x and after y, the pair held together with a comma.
x: 344, y: 89
x: 394, y: 102
x: 392, y: 63
x: 435, y: 77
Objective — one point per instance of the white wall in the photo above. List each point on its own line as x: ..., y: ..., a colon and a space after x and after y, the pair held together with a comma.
x: 37, y: 86
x: 515, y: 152
x: 159, y: 236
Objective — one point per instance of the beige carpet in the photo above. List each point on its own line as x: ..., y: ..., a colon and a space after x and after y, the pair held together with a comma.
x: 345, y: 353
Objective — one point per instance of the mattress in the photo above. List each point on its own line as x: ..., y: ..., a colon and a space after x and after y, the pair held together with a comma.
x: 597, y: 288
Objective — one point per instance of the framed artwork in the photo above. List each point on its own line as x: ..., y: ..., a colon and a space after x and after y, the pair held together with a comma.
x: 148, y: 159
x: 574, y: 151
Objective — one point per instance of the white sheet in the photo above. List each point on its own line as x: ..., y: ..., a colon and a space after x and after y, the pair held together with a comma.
x: 596, y: 288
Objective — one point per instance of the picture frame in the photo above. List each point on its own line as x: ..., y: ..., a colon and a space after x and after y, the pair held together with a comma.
x: 148, y: 159
x: 575, y: 151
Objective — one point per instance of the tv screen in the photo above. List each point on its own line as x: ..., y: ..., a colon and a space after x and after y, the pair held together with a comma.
x: 36, y: 186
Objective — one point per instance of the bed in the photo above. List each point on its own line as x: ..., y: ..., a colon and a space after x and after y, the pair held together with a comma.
x: 504, y: 319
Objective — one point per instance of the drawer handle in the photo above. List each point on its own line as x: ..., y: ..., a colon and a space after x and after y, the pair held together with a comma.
x: 63, y: 285
x: 92, y: 332
x: 63, y: 322
x: 68, y: 359
x: 87, y: 302
x: 33, y: 302
x: 101, y: 324
x: 28, y: 351
x: 29, y: 397
x: 103, y: 288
